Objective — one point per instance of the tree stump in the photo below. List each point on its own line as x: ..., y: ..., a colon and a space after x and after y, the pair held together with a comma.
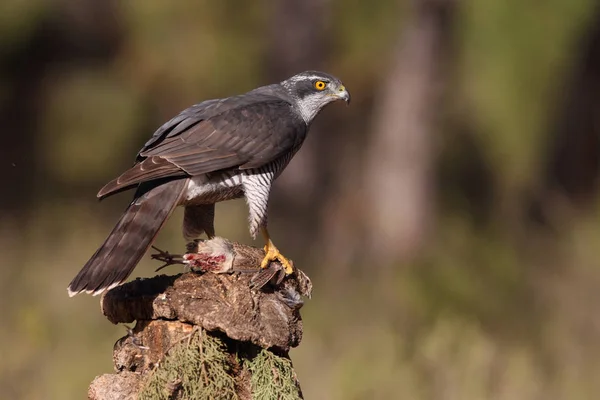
x: 224, y: 333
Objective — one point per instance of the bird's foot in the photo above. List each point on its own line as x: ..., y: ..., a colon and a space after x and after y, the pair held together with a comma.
x: 167, y: 258
x: 273, y: 254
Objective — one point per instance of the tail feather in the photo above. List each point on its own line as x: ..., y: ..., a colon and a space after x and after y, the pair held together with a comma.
x: 114, y: 261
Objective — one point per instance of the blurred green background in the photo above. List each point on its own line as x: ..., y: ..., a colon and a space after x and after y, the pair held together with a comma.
x: 449, y: 217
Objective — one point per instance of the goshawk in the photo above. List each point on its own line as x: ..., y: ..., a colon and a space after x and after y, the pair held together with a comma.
x: 214, y: 151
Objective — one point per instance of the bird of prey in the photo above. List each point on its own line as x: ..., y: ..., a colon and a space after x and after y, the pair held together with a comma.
x: 214, y: 151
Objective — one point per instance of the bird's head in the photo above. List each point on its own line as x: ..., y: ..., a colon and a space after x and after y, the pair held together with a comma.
x: 313, y: 90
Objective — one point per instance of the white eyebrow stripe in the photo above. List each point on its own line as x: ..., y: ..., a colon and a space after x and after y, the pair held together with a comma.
x: 309, y: 77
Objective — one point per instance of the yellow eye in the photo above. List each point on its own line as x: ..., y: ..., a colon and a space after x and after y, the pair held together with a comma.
x: 320, y: 85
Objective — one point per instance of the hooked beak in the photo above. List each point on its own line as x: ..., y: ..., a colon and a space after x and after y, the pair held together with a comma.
x: 343, y: 94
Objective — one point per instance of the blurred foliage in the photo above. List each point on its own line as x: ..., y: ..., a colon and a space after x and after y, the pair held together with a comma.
x: 512, y: 54
x: 496, y: 307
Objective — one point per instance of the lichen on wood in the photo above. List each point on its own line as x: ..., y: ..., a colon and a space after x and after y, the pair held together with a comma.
x: 223, y: 334
x: 197, y: 368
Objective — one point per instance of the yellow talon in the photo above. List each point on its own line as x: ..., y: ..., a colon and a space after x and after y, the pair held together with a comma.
x: 272, y: 254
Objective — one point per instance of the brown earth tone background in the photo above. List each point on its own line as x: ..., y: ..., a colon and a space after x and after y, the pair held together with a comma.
x: 449, y: 218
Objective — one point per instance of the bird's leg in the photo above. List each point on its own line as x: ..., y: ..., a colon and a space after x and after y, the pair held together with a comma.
x: 167, y: 258
x: 272, y: 254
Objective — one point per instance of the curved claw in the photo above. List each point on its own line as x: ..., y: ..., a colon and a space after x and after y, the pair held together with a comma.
x: 273, y: 254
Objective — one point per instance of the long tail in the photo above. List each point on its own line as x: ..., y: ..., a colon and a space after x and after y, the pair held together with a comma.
x: 114, y: 261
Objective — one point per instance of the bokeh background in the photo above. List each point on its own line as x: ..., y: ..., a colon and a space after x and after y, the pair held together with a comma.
x: 449, y: 218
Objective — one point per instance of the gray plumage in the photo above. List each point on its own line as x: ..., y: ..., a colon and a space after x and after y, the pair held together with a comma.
x: 214, y: 151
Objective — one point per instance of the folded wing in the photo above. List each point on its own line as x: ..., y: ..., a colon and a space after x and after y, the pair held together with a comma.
x: 197, y: 142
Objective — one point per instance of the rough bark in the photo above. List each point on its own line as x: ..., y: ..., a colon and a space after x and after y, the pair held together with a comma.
x: 218, y: 334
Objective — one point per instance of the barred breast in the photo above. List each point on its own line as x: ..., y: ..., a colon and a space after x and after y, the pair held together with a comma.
x: 228, y: 185
x: 212, y: 189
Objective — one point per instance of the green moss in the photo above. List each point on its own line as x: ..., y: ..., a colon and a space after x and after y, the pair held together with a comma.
x: 196, y: 369
x: 200, y: 367
x: 273, y: 377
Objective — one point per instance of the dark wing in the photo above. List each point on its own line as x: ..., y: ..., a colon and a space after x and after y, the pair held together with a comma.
x: 189, y: 117
x: 250, y: 135
x: 244, y: 137
x: 208, y: 109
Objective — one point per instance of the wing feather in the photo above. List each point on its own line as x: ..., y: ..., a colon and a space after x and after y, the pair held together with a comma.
x: 240, y: 132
